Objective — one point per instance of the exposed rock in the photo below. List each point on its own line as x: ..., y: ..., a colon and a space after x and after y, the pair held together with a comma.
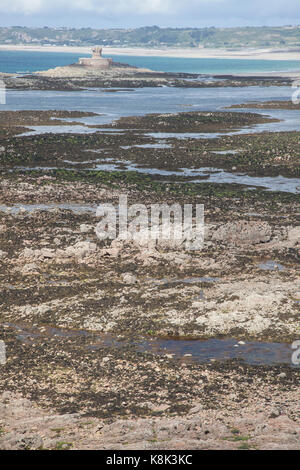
x: 81, y: 249
x: 85, y: 228
x: 243, y: 233
x: 268, y: 428
x: 26, y: 441
x: 29, y: 268
x: 294, y: 235
x: 3, y: 254
x: 129, y: 278
x: 41, y: 255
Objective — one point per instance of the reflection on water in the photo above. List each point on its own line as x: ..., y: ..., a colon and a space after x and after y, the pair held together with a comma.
x: 111, y: 106
x: 195, y: 175
x: 188, y: 280
x: 160, y: 144
x: 143, y: 101
x: 271, y: 266
x: 201, y: 351
x: 19, y: 208
x: 221, y: 349
x: 65, y: 129
x: 211, y: 175
x: 225, y: 152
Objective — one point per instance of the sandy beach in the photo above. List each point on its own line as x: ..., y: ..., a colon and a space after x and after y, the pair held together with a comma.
x: 196, y: 53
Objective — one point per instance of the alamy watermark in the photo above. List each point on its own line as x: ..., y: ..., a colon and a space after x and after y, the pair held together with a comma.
x: 296, y: 93
x: 2, y: 353
x: 161, y: 222
x: 296, y: 353
x: 2, y: 92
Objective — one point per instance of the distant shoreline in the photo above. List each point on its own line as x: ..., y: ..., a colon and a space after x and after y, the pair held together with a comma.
x: 197, y: 53
x: 189, y: 53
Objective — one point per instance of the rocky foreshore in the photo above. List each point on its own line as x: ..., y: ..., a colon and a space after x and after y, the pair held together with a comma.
x: 92, y: 328
x: 58, y: 279
x: 75, y: 77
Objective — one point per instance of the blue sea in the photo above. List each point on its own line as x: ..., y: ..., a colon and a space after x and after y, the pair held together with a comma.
x: 31, y: 61
x: 111, y: 106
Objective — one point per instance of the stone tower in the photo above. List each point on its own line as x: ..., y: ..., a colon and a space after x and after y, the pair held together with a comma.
x: 97, y: 52
x: 96, y: 61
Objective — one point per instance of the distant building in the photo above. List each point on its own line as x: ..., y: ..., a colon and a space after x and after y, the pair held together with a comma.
x: 96, y: 60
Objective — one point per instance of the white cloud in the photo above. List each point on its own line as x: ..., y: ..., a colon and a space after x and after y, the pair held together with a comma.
x: 130, y: 13
x: 21, y: 6
x: 141, y: 7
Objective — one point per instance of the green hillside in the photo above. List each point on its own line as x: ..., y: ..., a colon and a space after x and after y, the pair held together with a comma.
x: 153, y: 36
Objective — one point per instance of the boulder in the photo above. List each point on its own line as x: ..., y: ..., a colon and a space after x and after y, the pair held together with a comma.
x: 243, y: 233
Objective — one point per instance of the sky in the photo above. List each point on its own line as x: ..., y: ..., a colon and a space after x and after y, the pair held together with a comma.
x: 136, y: 13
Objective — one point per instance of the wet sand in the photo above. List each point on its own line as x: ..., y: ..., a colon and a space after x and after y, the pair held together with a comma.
x: 204, y: 53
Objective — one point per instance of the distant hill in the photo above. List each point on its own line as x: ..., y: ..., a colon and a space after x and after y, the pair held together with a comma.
x: 153, y: 36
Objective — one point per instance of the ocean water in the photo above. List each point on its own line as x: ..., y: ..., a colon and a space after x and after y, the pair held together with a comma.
x: 31, y: 61
x: 144, y: 100
x: 111, y: 106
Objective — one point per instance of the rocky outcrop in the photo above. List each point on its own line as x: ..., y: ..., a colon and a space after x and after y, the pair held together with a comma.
x: 27, y: 427
x: 243, y: 233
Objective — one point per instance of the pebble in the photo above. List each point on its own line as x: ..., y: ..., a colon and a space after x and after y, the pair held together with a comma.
x: 129, y: 278
x: 282, y: 375
x: 84, y: 228
x: 274, y: 413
